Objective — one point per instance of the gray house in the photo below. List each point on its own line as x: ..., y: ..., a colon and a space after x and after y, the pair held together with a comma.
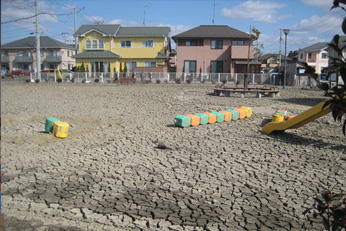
x: 21, y: 54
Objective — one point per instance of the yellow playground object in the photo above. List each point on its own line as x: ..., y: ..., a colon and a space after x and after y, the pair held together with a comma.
x: 297, y: 121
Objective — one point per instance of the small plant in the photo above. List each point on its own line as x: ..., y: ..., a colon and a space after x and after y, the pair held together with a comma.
x: 72, y: 80
x: 237, y: 83
x: 188, y: 81
x: 259, y: 82
x: 59, y: 80
x: 332, y: 209
x: 83, y: 81
x: 224, y: 81
x: 97, y: 80
x: 203, y: 81
x: 178, y: 81
x: 158, y: 81
x: 37, y: 80
x: 248, y: 82
x: 27, y: 80
x: 213, y: 81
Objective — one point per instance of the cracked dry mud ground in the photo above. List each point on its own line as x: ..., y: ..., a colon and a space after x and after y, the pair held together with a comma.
x: 108, y: 173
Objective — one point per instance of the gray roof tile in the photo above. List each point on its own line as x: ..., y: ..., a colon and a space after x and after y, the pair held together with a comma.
x: 213, y: 31
x: 30, y: 42
x: 96, y: 54
x: 316, y: 47
x: 143, y: 31
x: 108, y: 29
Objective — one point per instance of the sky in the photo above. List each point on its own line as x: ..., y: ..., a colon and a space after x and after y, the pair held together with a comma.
x: 309, y: 21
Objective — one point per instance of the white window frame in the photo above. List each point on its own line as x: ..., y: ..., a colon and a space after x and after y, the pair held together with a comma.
x: 150, y: 63
x: 94, y: 44
x: 101, y: 44
x: 148, y: 43
x: 88, y: 44
x: 125, y: 45
x: 323, y: 53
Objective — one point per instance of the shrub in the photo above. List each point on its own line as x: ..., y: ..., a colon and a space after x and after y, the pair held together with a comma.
x: 97, y: 80
x: 59, y: 80
x: 158, y: 81
x: 188, y: 81
x: 37, y: 80
x: 178, y: 81
x: 72, y: 80
x: 27, y: 80
x: 224, y: 81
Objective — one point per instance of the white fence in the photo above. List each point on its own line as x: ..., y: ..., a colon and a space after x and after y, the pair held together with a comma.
x: 169, y: 77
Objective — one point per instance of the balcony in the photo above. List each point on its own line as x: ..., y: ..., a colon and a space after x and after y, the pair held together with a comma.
x: 5, y: 59
x: 23, y: 59
x: 241, y: 52
x: 53, y: 59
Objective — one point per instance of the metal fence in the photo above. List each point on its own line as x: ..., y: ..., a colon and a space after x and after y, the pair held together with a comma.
x: 163, y: 77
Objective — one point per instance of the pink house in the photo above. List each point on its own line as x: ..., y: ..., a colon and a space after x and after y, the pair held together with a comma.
x: 315, y: 55
x: 214, y: 49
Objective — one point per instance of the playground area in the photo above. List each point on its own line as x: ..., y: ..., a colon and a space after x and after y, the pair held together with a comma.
x: 109, y: 174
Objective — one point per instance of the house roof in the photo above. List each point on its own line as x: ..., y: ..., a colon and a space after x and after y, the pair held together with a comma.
x: 119, y: 31
x: 96, y: 54
x: 143, y: 31
x: 30, y: 42
x: 212, y: 31
x: 277, y: 56
x: 316, y: 47
x: 107, y: 30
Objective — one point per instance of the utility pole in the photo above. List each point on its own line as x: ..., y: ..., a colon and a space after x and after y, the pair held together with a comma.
x: 280, y: 50
x: 214, y: 13
x: 38, y: 48
x: 248, y: 61
x: 144, y: 15
x: 286, y: 31
x: 75, y: 38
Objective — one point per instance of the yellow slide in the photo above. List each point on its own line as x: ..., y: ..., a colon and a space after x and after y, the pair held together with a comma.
x: 297, y: 121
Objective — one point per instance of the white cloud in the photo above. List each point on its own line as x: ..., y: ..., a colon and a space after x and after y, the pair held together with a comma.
x: 125, y: 22
x: 94, y: 19
x: 260, y: 11
x: 322, y: 4
x: 322, y: 25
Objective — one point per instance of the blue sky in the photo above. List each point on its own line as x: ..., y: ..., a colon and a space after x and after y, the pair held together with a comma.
x: 310, y: 21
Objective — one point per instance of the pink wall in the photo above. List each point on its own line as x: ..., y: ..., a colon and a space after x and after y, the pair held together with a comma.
x: 204, y: 55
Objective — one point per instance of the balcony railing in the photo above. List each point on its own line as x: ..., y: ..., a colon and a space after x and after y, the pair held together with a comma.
x: 241, y: 52
x: 23, y: 59
x: 53, y: 59
x: 5, y: 59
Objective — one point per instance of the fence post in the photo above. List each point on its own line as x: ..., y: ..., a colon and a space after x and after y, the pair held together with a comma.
x: 168, y: 77
x: 86, y: 78
x: 54, y: 76
x: 253, y: 78
x: 236, y: 78
x: 184, y: 77
x: 101, y: 77
x: 218, y: 78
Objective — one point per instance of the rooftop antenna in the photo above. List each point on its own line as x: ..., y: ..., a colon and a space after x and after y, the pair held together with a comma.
x: 144, y: 15
x: 214, y: 13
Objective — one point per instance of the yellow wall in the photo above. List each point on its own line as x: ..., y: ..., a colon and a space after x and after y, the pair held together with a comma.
x: 135, y: 53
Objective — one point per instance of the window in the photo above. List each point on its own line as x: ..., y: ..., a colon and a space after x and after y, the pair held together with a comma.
x: 94, y: 34
x: 301, y: 55
x: 101, y: 44
x: 20, y: 53
x: 216, y: 44
x: 88, y: 44
x: 94, y: 44
x: 191, y: 43
x: 4, y: 53
x: 68, y: 53
x: 125, y: 44
x: 324, y: 56
x: 216, y: 67
x: 52, y: 53
x: 130, y: 65
x: 237, y: 43
x: 149, y: 64
x: 148, y: 43
x: 190, y: 66
x: 41, y: 53
x: 309, y: 55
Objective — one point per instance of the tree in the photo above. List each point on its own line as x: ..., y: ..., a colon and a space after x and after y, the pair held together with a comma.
x: 258, y: 46
x: 82, y: 68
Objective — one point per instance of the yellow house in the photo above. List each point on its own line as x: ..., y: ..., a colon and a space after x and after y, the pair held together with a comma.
x: 109, y: 48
